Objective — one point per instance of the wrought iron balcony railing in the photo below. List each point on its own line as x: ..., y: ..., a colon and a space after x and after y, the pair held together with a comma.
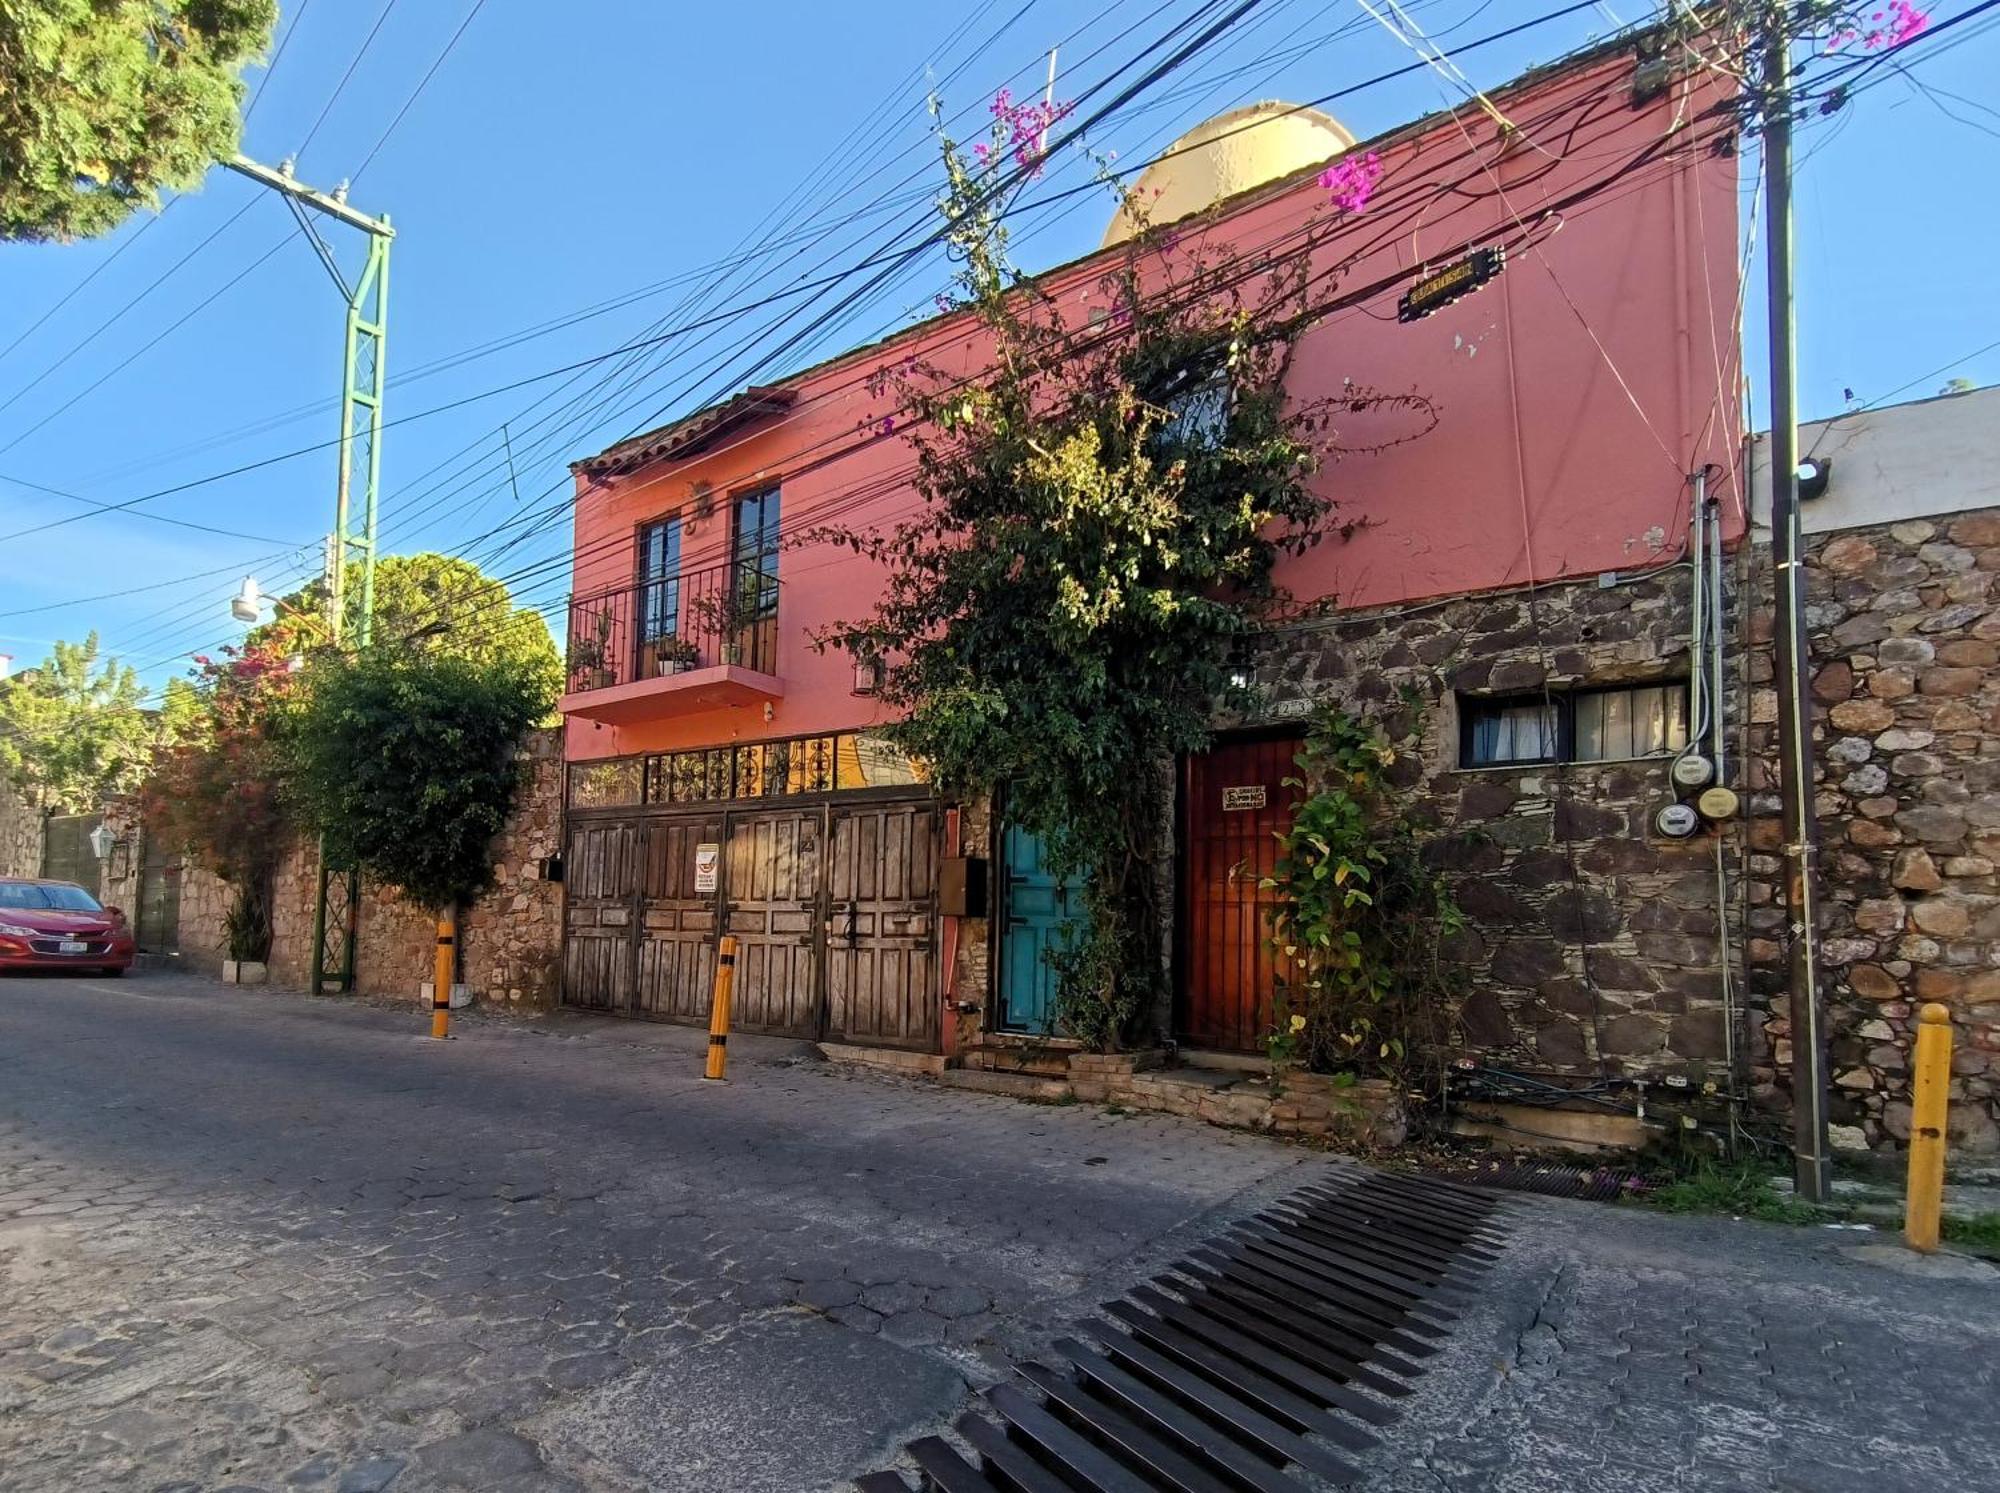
x: 672, y: 624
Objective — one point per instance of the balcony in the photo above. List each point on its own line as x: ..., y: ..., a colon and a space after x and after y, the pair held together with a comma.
x: 694, y: 640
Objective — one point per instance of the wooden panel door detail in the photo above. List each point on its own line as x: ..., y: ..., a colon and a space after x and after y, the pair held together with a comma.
x: 1039, y: 913
x: 1235, y: 802
x: 600, y: 895
x: 881, y: 952
x: 676, y: 969
x: 771, y: 878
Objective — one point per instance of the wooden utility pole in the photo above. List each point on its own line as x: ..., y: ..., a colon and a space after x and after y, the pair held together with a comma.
x: 1807, y: 1007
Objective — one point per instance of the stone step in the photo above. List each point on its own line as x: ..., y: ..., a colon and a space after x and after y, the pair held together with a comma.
x: 1011, y: 1085
x: 1012, y: 1058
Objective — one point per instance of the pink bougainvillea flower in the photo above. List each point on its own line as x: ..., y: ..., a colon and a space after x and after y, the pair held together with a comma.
x: 1350, y: 182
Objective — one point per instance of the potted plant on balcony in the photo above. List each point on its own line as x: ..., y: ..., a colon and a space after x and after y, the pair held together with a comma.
x: 673, y: 653
x: 590, y: 657
x: 732, y: 615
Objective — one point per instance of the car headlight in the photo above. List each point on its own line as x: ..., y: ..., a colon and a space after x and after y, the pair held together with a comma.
x: 15, y: 930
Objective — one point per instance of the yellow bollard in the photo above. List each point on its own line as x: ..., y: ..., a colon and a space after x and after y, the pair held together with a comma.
x: 1929, y: 1104
x: 718, y: 1017
x: 442, y: 971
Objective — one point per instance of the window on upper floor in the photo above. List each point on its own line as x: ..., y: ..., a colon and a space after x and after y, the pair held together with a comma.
x: 1197, y: 401
x: 754, y: 548
x: 660, y: 579
x: 1590, y: 725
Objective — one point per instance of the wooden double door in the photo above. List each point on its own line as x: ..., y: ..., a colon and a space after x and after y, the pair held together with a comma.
x: 833, y: 906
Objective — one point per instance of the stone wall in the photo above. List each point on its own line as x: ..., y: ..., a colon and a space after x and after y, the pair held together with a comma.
x: 509, y: 940
x: 1595, y: 946
x: 1906, y: 683
x: 20, y: 834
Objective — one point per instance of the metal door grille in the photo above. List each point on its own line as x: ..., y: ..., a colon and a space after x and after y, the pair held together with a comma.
x: 1262, y: 1361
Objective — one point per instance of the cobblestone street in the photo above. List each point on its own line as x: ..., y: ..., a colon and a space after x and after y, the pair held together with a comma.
x: 251, y: 1241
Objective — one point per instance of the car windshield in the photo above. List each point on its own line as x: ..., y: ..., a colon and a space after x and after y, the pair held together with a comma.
x: 44, y: 897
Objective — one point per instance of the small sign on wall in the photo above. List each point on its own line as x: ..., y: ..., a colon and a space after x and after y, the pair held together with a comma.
x: 1236, y: 799
x: 707, y: 867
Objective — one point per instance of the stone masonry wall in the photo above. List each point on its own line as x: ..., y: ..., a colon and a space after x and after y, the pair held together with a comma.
x: 1594, y: 946
x: 20, y: 834
x: 1905, y: 648
x: 509, y: 940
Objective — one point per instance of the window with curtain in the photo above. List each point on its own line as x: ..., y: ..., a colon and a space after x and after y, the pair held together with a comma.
x: 1598, y: 725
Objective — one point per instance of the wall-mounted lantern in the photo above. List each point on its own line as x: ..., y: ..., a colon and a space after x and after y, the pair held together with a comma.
x: 868, y: 675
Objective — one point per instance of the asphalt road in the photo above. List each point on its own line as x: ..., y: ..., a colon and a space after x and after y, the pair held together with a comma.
x: 254, y: 1241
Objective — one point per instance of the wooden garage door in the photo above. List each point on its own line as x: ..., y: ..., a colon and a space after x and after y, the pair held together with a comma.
x: 600, y: 895
x: 1234, y: 800
x: 772, y: 885
x: 676, y: 922
x: 881, y: 955
x: 833, y: 908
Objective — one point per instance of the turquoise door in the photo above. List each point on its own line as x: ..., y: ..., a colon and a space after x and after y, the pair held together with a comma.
x: 1036, y: 910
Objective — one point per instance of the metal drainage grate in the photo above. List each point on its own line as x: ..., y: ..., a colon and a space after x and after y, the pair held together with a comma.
x: 1253, y: 1364
x: 1593, y: 1184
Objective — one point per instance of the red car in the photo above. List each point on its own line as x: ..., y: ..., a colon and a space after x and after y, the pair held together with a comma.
x: 58, y: 925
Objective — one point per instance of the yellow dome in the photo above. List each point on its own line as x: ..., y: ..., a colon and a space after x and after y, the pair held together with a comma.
x: 1228, y: 154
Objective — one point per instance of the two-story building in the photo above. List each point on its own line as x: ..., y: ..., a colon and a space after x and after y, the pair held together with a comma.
x: 1554, y: 271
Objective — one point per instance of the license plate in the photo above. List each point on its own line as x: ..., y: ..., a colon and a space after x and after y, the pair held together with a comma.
x: 71, y: 946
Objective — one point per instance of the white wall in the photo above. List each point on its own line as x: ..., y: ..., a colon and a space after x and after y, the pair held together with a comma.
x: 1935, y: 456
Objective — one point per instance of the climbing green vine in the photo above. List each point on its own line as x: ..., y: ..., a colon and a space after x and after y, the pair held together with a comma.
x: 1358, y: 919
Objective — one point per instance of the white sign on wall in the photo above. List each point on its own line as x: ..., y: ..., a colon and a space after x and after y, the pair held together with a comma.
x: 707, y: 864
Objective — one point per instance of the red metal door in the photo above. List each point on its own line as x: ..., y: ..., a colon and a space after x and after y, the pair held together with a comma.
x: 1234, y: 801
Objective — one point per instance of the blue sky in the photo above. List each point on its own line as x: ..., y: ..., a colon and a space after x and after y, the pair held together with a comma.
x: 565, y: 159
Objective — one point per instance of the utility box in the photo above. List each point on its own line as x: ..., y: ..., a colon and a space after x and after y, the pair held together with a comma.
x: 962, y: 886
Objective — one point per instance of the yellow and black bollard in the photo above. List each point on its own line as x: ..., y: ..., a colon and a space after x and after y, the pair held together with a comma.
x: 442, y: 972
x: 718, y: 1016
x: 1930, y: 1094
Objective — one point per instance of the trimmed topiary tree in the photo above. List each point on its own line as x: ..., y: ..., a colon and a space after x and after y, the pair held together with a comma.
x: 406, y: 764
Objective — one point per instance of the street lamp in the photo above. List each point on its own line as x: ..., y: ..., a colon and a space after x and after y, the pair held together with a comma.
x: 248, y: 604
x: 244, y: 605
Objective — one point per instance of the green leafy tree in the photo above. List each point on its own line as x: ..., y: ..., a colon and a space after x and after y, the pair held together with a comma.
x: 73, y: 731
x: 405, y: 762
x: 435, y: 605
x: 1103, y: 511
x: 106, y: 103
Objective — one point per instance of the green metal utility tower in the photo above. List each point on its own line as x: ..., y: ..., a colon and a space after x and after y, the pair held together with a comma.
x: 364, y: 373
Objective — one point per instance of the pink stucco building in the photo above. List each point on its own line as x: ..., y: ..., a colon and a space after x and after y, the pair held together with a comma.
x: 721, y: 768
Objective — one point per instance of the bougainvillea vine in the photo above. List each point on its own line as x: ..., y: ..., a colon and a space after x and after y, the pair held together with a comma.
x: 1351, y: 181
